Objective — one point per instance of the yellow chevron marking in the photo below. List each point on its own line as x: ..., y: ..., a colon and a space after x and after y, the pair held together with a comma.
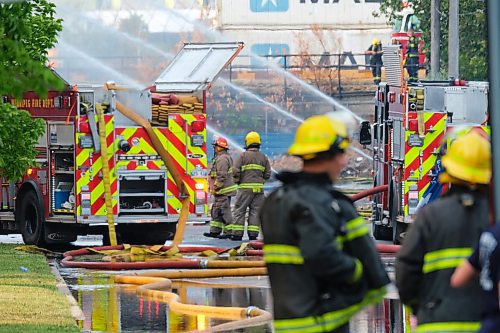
x: 430, y: 138
x: 426, y: 165
x: 172, y: 200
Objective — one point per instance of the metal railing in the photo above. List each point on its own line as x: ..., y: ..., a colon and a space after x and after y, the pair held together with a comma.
x: 336, y: 68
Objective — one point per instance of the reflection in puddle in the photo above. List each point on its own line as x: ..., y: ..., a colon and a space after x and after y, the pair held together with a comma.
x: 117, y: 308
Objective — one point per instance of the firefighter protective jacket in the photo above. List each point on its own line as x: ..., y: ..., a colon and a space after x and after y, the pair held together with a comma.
x: 221, y: 174
x: 251, y: 170
x: 442, y: 236
x: 412, y: 47
x: 322, y: 264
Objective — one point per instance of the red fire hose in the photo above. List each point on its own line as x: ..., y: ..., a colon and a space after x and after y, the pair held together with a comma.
x: 368, y: 192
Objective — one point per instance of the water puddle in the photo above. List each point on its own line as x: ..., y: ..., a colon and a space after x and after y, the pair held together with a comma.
x: 110, y: 307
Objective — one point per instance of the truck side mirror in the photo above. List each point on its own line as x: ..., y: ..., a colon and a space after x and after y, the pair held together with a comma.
x: 365, y: 135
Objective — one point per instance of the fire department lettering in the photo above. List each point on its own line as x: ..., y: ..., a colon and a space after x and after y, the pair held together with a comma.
x: 33, y: 103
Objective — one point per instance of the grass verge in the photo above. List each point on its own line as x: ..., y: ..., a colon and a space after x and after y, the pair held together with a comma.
x: 29, y: 298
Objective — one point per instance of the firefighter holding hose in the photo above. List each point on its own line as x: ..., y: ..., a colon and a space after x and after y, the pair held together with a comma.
x: 322, y: 263
x: 442, y: 236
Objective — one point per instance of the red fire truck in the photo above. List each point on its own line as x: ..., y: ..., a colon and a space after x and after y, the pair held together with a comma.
x: 409, y: 126
x: 84, y: 159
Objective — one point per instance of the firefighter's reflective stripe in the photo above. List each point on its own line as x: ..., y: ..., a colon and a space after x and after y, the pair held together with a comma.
x: 421, y: 160
x: 228, y: 189
x: 255, y: 187
x: 445, y: 258
x: 253, y: 167
x: 355, y: 228
x: 282, y: 254
x: 217, y: 224
x: 358, y: 271
x: 328, y: 321
x: 237, y: 227
x: 254, y: 228
x: 449, y: 327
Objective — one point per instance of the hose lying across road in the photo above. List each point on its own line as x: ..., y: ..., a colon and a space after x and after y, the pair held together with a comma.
x: 157, y: 285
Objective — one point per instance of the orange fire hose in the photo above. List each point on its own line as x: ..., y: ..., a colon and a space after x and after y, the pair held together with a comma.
x: 151, y: 285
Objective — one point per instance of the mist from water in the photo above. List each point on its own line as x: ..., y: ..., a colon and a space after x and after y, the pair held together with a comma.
x: 260, y: 99
x: 108, y: 72
x: 270, y: 64
x: 103, y: 69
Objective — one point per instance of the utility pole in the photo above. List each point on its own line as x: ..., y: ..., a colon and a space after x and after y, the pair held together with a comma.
x: 453, y: 39
x: 435, y: 38
x: 493, y: 13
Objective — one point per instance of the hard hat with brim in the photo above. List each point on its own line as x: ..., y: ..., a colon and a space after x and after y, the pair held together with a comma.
x: 252, y: 138
x: 468, y: 159
x: 318, y: 134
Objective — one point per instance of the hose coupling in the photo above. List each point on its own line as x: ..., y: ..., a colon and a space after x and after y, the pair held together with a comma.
x: 204, y: 263
x: 249, y: 309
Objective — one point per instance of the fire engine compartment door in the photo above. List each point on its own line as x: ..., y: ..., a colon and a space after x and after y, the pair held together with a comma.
x: 196, y: 66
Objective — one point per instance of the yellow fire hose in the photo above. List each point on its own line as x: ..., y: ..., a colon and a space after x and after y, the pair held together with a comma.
x: 183, y: 193
x: 105, y: 174
x: 156, y: 285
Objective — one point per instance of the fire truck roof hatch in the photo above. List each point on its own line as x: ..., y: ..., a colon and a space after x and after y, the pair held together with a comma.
x: 196, y: 66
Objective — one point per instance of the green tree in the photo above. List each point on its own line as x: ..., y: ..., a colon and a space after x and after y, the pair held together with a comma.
x: 473, y: 34
x: 27, y: 31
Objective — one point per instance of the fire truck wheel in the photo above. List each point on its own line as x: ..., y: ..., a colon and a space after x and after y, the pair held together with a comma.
x: 31, y: 220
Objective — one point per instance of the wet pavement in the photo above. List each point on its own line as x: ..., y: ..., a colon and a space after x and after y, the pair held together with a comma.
x: 110, y: 307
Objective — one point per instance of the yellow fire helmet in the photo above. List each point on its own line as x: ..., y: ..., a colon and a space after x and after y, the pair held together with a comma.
x: 468, y: 159
x: 375, y: 41
x: 319, y: 134
x: 252, y: 138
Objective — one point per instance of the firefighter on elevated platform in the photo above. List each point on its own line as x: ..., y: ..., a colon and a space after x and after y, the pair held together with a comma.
x: 375, y: 50
x: 322, y: 263
x: 250, y: 172
x: 411, y: 56
x: 222, y: 189
x: 443, y: 235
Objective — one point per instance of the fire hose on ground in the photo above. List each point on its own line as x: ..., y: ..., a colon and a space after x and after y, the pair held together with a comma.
x: 157, y: 284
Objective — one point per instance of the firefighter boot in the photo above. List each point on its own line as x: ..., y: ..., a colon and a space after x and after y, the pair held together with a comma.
x: 236, y: 238
x: 252, y: 237
x: 225, y: 236
x: 211, y: 234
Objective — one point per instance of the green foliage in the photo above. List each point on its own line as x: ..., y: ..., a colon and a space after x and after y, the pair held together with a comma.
x: 28, y: 29
x: 18, y: 135
x: 473, y: 33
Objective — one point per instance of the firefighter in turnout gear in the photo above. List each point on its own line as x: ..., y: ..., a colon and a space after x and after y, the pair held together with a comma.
x: 442, y: 236
x: 411, y: 57
x: 322, y: 263
x: 250, y: 172
x: 222, y: 189
x: 375, y: 50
